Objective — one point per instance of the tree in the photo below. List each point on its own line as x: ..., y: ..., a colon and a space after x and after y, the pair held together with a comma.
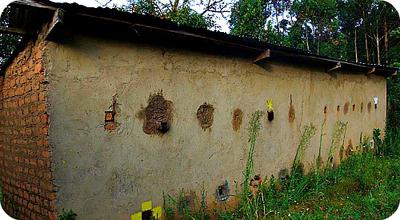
x: 181, y: 11
x: 249, y: 17
x: 8, y: 42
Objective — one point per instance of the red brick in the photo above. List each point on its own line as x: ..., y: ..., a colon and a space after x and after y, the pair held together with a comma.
x: 19, y: 91
x: 28, y: 88
x: 42, y: 107
x: 12, y: 82
x: 52, y: 215
x: 24, y: 149
x: 34, y: 98
x: 42, y: 96
x: 44, y: 118
x: 38, y: 68
x: 110, y: 126
x: 46, y: 154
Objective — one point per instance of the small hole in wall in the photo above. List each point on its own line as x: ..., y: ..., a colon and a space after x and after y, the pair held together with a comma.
x: 354, y: 107
x: 222, y: 192
x: 338, y: 108
x: 362, y: 107
x: 109, y: 118
x: 325, y: 110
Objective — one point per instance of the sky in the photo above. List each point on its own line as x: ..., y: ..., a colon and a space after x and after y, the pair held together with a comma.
x: 93, y: 3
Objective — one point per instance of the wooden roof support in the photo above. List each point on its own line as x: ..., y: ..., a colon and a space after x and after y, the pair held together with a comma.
x: 58, y: 18
x: 8, y: 30
x: 264, y: 55
x: 337, y: 66
x: 371, y: 71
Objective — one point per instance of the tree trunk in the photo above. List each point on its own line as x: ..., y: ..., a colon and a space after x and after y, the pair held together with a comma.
x: 366, y: 46
x: 318, y: 41
x: 277, y: 21
x: 386, y: 34
x: 355, y: 44
x: 378, y: 54
x: 307, y: 44
x: 365, y: 36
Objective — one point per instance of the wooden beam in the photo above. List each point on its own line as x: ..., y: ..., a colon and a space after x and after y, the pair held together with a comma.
x: 58, y: 18
x: 263, y: 55
x: 337, y: 66
x: 8, y: 30
x: 371, y: 71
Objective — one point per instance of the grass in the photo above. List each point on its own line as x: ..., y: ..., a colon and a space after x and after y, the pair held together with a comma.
x: 366, y: 184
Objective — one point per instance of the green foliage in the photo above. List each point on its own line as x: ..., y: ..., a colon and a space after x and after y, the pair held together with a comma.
x: 66, y: 215
x: 180, y: 12
x: 378, y: 143
x: 248, y: 18
x: 305, y: 142
x: 186, y: 206
x: 188, y: 17
x: 338, y: 136
x: 393, y: 118
x: 8, y: 42
x: 392, y: 142
x: 253, y: 130
x: 363, y: 186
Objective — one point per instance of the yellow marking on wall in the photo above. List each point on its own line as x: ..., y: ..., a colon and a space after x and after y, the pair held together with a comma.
x: 148, y: 206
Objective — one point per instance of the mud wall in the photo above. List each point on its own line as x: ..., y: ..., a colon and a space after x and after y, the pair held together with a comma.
x: 101, y: 94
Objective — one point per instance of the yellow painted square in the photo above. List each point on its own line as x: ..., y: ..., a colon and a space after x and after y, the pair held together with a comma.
x: 157, y: 212
x: 136, y: 216
x: 146, y: 206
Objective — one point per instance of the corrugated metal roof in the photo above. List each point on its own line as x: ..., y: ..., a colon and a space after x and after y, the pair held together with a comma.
x: 118, y: 24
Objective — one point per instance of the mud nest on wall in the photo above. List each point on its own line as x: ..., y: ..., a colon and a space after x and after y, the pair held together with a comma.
x: 157, y: 115
x: 237, y: 119
x: 346, y: 107
x: 205, y: 115
x: 369, y: 106
x: 292, y: 114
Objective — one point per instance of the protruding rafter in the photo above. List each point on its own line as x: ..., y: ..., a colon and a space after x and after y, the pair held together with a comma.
x: 337, y: 66
x: 8, y: 30
x: 264, y: 55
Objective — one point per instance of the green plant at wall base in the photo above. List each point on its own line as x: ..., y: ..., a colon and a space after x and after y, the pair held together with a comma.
x: 365, y: 144
x: 305, y: 142
x: 253, y: 130
x: 67, y: 215
x: 378, y: 143
x: 392, y: 142
x: 186, y: 207
x: 319, y: 158
x: 338, y: 136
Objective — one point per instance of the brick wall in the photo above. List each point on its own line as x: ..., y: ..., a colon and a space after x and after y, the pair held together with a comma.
x: 25, y: 156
